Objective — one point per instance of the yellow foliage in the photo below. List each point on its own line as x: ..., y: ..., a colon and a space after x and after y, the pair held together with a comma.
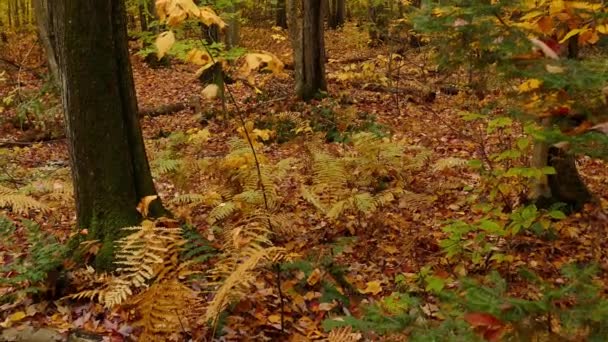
x: 19, y: 202
x: 163, y: 43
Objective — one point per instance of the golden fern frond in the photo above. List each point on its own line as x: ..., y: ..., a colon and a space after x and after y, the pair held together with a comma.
x: 449, y: 163
x: 364, y: 202
x: 312, y: 198
x: 329, y: 171
x: 338, y: 208
x: 387, y: 196
x: 222, y: 211
x: 418, y: 161
x: 253, y: 229
x: 240, y: 278
x: 165, y: 308
x: 413, y: 201
x: 18, y: 202
x: 251, y: 197
x: 188, y: 199
x: 282, y: 168
x: 343, y: 334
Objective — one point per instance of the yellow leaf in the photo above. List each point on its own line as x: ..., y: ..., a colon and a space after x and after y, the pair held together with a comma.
x: 314, y: 277
x: 198, y: 57
x: 275, y: 319
x: 143, y: 205
x: 264, y: 61
x: 584, y: 5
x: 208, y: 17
x: 531, y: 15
x: 603, y: 29
x: 12, y: 318
x: 556, y: 6
x: 161, y: 9
x: 264, y: 134
x: 164, y: 42
x: 390, y: 249
x: 573, y: 33
x: 529, y: 85
x: 554, y: 69
x: 373, y: 287
x: 211, y: 91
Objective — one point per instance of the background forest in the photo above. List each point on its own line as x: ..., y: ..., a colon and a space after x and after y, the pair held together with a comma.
x: 286, y: 170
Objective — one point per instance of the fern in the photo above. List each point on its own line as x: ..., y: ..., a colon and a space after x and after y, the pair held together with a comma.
x: 30, y: 268
x: 449, y: 163
x: 150, y: 277
x: 19, y: 202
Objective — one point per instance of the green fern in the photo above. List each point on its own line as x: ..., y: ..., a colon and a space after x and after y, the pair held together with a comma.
x: 29, y: 268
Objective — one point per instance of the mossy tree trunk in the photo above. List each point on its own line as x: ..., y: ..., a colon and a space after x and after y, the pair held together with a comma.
x: 306, y: 31
x: 88, y: 40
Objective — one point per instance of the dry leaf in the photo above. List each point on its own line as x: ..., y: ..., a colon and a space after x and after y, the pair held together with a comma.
x: 144, y: 204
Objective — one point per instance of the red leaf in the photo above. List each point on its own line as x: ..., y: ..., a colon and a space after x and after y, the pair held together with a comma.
x: 481, y: 319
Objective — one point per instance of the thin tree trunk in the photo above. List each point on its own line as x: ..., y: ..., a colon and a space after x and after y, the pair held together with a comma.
x: 109, y: 165
x: 281, y: 14
x: 340, y: 12
x: 233, y: 34
x: 306, y: 31
x: 143, y: 15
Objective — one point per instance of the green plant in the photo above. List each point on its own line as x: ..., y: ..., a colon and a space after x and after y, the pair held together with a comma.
x: 26, y: 271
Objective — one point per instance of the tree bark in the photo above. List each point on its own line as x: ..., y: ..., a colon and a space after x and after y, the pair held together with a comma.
x: 110, y: 169
x: 233, y: 34
x: 306, y: 31
x: 281, y: 14
x: 336, y: 15
x: 143, y: 15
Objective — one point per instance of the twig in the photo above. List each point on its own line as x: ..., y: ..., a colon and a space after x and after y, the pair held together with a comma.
x: 278, y: 268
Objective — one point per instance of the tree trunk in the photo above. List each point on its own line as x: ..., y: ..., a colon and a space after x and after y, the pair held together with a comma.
x: 143, y: 15
x: 17, y: 14
x: 340, y: 12
x: 336, y: 15
x: 46, y: 34
x: 109, y: 165
x: 281, y: 14
x: 233, y: 34
x: 10, y: 14
x: 306, y: 31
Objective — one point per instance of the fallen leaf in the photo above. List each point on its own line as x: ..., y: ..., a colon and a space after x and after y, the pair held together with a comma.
x: 373, y: 287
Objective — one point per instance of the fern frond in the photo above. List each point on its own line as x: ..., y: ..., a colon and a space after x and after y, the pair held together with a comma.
x: 222, y: 211
x: 164, y: 308
x: 18, y: 202
x: 240, y: 278
x: 414, y: 201
x: 449, y: 163
x: 312, y: 198
x: 188, y: 199
x: 343, y: 334
x: 163, y: 166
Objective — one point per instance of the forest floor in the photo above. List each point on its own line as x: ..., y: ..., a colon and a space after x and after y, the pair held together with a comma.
x: 401, y: 241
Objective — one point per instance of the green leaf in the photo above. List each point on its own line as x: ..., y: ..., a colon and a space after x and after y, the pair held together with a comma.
x: 490, y: 226
x: 434, y: 284
x: 556, y: 214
